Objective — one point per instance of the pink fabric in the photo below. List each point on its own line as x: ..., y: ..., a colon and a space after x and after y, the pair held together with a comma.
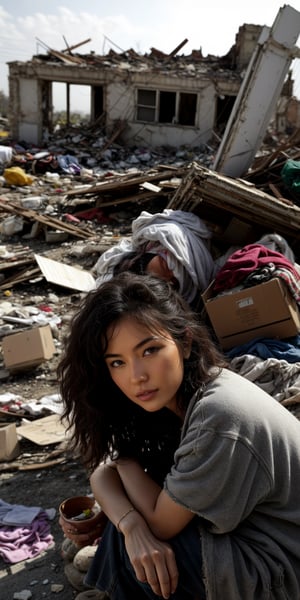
x: 21, y: 543
x: 244, y: 261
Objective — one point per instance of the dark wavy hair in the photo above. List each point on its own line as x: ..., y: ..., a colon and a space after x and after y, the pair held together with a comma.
x: 135, y: 262
x: 102, y: 421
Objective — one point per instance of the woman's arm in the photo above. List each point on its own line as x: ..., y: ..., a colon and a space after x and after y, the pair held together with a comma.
x: 153, y: 560
x: 109, y: 492
x: 165, y: 517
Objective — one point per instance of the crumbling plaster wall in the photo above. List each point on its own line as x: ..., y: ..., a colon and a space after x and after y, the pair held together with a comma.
x: 26, y: 84
x: 25, y: 112
x: 14, y: 105
x: 27, y: 81
x: 121, y: 102
x: 246, y: 40
x: 30, y: 124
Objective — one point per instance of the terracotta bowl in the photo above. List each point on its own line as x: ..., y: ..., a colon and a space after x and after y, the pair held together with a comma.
x: 73, y: 507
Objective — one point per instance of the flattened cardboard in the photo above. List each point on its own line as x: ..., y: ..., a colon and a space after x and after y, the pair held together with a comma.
x: 264, y: 310
x: 65, y: 275
x: 27, y: 349
x: 48, y: 430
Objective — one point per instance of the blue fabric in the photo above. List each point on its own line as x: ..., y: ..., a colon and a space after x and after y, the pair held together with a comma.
x: 288, y: 349
x: 112, y: 572
x: 68, y: 164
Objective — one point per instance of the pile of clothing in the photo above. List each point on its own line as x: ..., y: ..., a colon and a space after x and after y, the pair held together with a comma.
x: 24, y: 531
x: 272, y: 364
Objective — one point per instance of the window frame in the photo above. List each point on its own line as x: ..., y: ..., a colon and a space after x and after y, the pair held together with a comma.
x: 157, y: 106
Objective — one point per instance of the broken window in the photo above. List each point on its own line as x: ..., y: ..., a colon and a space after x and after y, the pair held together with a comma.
x: 146, y: 107
x: 97, y: 102
x: 187, y: 109
x: 71, y: 103
x: 156, y: 106
x: 167, y: 107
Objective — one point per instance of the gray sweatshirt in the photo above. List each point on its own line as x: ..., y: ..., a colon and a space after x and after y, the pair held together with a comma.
x: 238, y: 468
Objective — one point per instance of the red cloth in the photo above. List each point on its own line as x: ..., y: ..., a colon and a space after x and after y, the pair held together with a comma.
x: 244, y: 261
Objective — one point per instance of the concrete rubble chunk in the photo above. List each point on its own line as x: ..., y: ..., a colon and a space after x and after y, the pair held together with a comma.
x: 23, y: 595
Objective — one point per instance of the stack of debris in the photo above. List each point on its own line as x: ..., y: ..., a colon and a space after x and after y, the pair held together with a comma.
x: 55, y: 227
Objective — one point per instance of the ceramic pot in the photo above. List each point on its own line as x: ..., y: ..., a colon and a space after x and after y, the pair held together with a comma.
x: 72, y: 511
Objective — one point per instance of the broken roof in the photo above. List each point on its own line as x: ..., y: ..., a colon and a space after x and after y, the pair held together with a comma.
x: 190, y: 65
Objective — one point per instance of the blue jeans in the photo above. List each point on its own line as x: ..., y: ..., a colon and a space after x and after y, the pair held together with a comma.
x: 112, y: 572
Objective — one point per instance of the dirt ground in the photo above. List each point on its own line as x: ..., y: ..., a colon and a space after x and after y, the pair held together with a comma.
x: 45, y: 488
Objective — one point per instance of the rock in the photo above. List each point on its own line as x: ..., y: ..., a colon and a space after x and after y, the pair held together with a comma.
x: 23, y: 595
x: 56, y: 588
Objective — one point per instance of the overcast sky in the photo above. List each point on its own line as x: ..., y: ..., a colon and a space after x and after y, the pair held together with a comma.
x: 29, y: 27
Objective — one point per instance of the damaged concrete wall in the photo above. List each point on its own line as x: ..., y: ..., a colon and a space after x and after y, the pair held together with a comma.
x: 190, y: 86
x: 246, y: 41
x: 259, y: 94
x: 30, y: 125
x: 122, y: 103
x: 162, y: 99
x: 30, y: 92
x: 121, y: 90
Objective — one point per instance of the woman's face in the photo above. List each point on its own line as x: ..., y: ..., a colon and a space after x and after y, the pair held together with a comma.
x: 147, y: 366
x: 158, y: 266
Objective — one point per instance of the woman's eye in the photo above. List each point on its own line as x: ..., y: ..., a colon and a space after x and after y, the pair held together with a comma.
x: 115, y: 363
x: 151, y: 350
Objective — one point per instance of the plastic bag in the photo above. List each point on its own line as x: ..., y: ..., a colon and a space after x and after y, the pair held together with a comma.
x: 290, y: 174
x: 17, y: 176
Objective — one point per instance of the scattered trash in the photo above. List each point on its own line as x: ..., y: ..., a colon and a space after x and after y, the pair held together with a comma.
x: 17, y: 176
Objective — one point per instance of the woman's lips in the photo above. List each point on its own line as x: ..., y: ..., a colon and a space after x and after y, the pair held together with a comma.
x: 146, y: 394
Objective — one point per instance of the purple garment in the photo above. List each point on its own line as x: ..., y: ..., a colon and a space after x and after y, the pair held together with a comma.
x: 21, y: 543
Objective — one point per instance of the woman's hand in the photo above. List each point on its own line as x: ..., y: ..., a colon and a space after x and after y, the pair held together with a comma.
x: 153, y: 560
x: 88, y: 537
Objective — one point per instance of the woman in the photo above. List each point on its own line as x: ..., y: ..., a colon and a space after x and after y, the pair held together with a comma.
x: 214, y: 513
x: 174, y: 245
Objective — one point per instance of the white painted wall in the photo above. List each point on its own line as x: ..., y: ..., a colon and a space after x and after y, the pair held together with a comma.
x: 29, y: 119
x: 121, y: 104
x: 207, y: 109
x: 119, y: 99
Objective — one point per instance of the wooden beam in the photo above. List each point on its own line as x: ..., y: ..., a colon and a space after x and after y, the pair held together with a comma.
x: 47, y: 221
x: 202, y: 188
x: 177, y: 48
x: 70, y: 48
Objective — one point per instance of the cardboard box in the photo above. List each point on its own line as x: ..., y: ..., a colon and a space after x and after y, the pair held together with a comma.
x: 28, y: 348
x: 264, y: 310
x: 9, y: 445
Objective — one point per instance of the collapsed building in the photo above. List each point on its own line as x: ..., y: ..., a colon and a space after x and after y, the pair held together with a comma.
x: 172, y: 100
x: 153, y: 99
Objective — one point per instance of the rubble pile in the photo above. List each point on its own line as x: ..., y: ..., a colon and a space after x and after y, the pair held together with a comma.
x: 80, y: 197
x: 85, y: 150
x: 55, y: 222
